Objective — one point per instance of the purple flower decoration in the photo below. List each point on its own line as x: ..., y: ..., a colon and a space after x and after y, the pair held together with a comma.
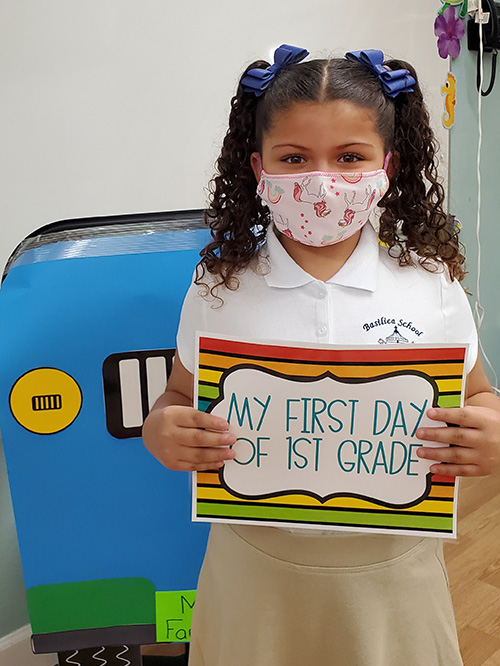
x: 449, y: 30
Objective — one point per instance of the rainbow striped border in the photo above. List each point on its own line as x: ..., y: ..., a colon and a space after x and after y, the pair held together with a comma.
x: 435, y: 515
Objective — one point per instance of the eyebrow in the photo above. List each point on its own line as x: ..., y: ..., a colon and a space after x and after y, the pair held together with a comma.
x: 288, y: 145
x: 355, y: 143
x: 342, y: 147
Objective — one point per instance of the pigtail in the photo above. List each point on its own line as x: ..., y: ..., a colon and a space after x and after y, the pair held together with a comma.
x: 236, y: 215
x: 413, y: 217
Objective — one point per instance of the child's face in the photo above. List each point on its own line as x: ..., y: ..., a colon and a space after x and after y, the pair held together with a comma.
x: 330, y: 136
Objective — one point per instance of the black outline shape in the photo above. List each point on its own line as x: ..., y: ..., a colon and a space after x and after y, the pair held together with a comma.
x: 53, y: 406
x: 46, y: 367
x: 112, y: 393
x: 342, y: 380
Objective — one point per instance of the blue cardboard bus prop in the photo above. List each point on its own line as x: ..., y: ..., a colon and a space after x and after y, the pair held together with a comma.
x: 88, y: 317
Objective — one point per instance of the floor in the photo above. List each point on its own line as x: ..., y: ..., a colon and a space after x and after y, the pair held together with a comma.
x: 174, y: 652
x: 473, y: 563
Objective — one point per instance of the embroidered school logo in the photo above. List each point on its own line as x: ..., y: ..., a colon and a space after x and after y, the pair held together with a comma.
x: 394, y: 339
x: 394, y: 331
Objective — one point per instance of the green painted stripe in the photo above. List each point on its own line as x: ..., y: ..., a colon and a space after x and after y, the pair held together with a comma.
x: 323, y: 509
x: 206, y: 391
x: 285, y: 514
x: 449, y: 400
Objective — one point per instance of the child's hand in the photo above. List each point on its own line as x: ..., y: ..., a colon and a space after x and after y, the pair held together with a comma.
x: 476, y: 442
x: 183, y: 438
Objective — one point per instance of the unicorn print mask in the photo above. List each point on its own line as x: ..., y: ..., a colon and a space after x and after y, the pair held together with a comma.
x: 321, y: 208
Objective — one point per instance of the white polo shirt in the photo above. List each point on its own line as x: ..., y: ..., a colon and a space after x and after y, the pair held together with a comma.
x: 370, y: 300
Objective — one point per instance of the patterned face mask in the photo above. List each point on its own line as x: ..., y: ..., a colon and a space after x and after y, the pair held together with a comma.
x: 321, y: 208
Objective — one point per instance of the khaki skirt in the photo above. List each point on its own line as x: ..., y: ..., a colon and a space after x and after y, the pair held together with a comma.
x: 267, y: 597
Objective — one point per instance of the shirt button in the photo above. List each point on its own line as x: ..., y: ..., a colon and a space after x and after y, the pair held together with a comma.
x: 321, y: 294
x: 322, y: 330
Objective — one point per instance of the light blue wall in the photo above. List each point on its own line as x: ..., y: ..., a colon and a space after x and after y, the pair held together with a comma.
x: 463, y: 191
x: 13, y: 613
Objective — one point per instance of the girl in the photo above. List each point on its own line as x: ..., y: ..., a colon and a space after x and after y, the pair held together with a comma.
x: 312, y: 147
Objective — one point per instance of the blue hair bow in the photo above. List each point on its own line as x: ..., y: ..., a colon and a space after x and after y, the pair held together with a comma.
x: 393, y: 82
x: 257, y: 80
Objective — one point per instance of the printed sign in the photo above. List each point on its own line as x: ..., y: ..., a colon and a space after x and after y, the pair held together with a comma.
x: 326, y: 436
x: 174, y: 611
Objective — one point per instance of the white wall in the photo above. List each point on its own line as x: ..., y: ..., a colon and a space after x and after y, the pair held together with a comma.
x: 117, y: 106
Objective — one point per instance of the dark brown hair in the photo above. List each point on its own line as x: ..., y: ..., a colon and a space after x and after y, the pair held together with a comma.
x: 412, y: 216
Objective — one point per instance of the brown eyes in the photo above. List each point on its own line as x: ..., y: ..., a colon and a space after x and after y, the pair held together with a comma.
x: 349, y: 158
x: 293, y: 159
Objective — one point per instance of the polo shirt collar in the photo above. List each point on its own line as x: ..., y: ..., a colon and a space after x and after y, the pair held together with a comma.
x: 359, y: 271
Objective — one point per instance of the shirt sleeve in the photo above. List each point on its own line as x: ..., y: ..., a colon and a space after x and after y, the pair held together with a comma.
x: 459, y: 321
x: 193, y: 318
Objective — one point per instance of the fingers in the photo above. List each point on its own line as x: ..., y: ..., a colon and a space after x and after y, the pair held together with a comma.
x: 203, y: 460
x: 473, y: 447
x: 187, y: 417
x: 191, y: 459
x: 452, y: 461
x: 452, y: 455
x: 468, y: 438
x: 196, y: 438
x: 198, y: 430
x: 457, y: 470
x: 185, y: 439
x: 470, y: 433
x: 458, y: 461
x: 466, y: 417
x: 196, y: 450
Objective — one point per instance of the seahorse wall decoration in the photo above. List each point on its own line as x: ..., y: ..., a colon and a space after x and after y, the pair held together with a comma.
x: 449, y: 91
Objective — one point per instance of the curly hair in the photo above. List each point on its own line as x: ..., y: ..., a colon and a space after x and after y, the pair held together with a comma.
x: 412, y: 220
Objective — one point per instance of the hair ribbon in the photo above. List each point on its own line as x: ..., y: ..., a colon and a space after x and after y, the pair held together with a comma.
x: 257, y: 80
x: 393, y: 81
